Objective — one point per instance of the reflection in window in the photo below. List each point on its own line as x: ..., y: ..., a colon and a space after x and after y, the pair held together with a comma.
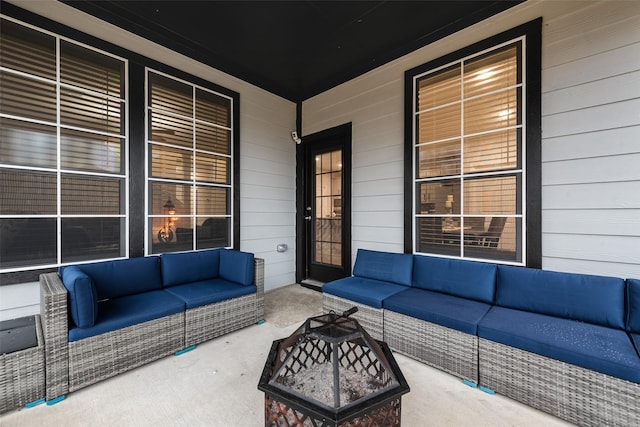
x: 62, y: 157
x: 468, y: 157
x: 190, y: 158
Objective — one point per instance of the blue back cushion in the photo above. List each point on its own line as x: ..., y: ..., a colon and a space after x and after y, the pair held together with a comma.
x: 236, y: 266
x: 83, y: 298
x: 189, y: 267
x: 124, y: 277
x: 593, y: 299
x: 385, y: 266
x: 467, y: 279
x: 633, y: 298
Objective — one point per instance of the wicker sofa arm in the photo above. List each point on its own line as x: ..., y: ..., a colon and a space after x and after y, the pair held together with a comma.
x: 55, y: 329
x: 259, y: 281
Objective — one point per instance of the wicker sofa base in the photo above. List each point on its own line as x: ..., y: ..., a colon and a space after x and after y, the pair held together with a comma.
x: 578, y: 395
x: 444, y: 348
x: 211, y: 321
x: 370, y: 318
x: 22, y: 375
x: 103, y: 356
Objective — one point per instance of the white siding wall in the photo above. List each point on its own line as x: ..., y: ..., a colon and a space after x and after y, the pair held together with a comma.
x: 267, y: 156
x: 591, y: 134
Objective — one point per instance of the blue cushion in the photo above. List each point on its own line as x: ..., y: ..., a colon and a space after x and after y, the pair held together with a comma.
x: 467, y: 279
x: 364, y: 291
x: 237, y: 266
x: 445, y: 310
x: 124, y: 277
x: 384, y: 266
x: 83, y: 299
x: 118, y: 313
x: 636, y: 341
x: 188, y: 267
x: 633, y: 301
x: 593, y: 299
x: 594, y: 347
x: 197, y: 294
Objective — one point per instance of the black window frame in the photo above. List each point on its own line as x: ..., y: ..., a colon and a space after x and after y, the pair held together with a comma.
x: 532, y: 33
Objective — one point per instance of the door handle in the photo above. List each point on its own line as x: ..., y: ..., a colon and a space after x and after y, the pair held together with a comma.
x: 308, y: 218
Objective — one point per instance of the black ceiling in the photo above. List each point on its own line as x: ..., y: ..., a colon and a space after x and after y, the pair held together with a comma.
x: 295, y: 49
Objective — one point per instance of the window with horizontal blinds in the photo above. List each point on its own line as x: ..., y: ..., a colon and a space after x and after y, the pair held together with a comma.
x: 189, y: 171
x: 468, y: 157
x: 62, y: 150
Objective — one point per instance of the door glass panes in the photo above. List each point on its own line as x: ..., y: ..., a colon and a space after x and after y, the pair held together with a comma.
x: 468, y: 161
x: 62, y: 151
x: 327, y: 200
x: 190, y: 175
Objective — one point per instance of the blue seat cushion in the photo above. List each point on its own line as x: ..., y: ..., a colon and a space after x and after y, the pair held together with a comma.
x: 592, y: 299
x: 205, y: 292
x: 633, y: 301
x: 123, y: 277
x: 590, y: 346
x: 467, y: 279
x: 237, y: 266
x: 636, y: 341
x: 450, y: 311
x: 186, y: 267
x: 83, y: 298
x: 384, y: 266
x: 118, y: 313
x: 364, y: 291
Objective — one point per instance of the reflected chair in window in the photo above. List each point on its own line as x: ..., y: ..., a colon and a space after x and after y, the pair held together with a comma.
x: 491, y: 237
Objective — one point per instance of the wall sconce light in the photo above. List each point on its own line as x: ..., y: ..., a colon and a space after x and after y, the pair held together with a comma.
x: 166, y: 233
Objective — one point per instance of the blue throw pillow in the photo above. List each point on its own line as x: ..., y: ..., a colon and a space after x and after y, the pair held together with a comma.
x: 236, y: 266
x: 187, y: 267
x: 385, y: 266
x: 83, y: 300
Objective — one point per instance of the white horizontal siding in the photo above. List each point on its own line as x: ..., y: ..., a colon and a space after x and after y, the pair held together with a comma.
x: 591, y: 134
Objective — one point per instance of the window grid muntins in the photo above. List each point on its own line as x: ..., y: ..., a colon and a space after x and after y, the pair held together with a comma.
x: 190, y: 164
x: 469, y: 178
x: 85, y: 162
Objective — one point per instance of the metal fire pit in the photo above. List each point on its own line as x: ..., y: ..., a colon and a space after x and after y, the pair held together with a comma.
x: 330, y: 372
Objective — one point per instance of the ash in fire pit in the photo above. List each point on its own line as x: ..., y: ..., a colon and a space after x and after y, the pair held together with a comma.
x: 317, y: 383
x: 331, y: 372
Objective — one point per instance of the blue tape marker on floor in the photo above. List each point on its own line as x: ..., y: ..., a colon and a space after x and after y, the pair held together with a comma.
x: 56, y: 400
x: 470, y: 383
x: 487, y: 390
x: 184, y: 350
x: 35, y: 403
x: 260, y: 322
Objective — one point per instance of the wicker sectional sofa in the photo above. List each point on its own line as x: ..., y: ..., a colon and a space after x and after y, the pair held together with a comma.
x: 567, y: 344
x: 105, y: 318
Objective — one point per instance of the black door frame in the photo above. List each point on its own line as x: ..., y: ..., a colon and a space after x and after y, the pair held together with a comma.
x: 302, y: 150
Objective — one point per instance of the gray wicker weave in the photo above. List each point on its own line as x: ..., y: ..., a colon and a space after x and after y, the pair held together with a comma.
x: 22, y: 375
x: 452, y: 351
x: 578, y: 395
x: 73, y: 365
x: 370, y: 318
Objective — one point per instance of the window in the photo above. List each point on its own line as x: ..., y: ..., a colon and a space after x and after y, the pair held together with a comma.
x: 189, y: 170
x: 469, y: 166
x: 63, y: 143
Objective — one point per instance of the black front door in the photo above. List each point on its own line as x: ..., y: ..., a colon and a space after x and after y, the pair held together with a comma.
x: 324, y: 213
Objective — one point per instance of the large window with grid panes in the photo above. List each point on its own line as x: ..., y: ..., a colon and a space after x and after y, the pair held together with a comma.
x: 190, y: 188
x: 63, y: 150
x: 469, y: 145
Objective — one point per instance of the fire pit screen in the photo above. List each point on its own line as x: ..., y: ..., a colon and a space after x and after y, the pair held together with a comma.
x: 330, y: 372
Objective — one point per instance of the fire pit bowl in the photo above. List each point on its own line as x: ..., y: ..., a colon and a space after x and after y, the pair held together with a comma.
x: 330, y: 372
